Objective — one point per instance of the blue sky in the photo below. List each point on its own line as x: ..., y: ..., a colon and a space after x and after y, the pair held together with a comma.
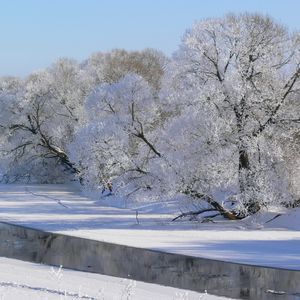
x: 34, y: 33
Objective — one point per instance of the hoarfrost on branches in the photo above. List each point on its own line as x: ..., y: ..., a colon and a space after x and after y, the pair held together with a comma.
x: 240, y: 74
x: 38, y: 120
x: 116, y: 146
x: 218, y: 123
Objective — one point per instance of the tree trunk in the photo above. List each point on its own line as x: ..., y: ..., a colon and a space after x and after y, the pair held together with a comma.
x: 246, y: 182
x: 244, y: 168
x: 245, y: 176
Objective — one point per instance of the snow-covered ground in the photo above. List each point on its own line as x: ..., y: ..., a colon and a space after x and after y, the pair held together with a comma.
x: 61, y: 208
x: 28, y: 281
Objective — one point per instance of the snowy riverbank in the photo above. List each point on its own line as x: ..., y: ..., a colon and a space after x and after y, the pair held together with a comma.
x: 61, y: 208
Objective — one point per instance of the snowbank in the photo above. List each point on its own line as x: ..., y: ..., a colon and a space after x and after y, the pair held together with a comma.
x: 271, y: 238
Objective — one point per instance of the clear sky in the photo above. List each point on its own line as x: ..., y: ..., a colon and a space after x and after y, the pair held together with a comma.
x: 34, y: 33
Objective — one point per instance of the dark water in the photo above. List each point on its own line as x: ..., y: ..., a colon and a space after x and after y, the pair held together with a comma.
x: 192, y: 273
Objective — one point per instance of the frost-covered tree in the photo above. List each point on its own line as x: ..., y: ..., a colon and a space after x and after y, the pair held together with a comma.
x: 219, y: 123
x: 38, y: 117
x: 235, y: 98
x: 114, y: 149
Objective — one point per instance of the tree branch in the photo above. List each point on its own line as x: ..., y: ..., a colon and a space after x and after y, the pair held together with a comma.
x: 289, y: 86
x: 193, y: 213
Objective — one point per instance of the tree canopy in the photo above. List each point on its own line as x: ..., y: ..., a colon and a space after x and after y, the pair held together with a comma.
x: 218, y: 122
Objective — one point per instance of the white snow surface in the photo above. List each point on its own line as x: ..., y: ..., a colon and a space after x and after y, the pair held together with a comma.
x: 62, y: 208
x: 29, y: 281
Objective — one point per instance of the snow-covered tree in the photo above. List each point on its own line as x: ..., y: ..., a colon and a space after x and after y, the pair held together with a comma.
x: 114, y: 149
x: 219, y: 123
x: 38, y: 117
x: 235, y: 98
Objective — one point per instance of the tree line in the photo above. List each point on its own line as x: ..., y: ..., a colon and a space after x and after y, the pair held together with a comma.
x: 218, y: 122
